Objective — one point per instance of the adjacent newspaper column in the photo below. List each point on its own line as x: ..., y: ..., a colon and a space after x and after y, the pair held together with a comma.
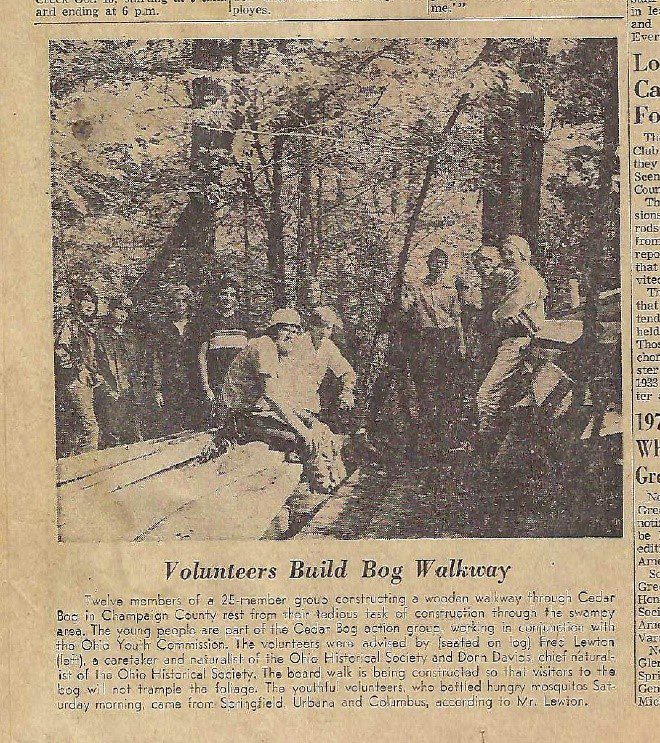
x: 644, y: 20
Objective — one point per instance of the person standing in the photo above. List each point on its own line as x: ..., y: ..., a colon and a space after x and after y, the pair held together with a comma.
x: 121, y: 363
x: 76, y: 370
x: 221, y: 332
x: 320, y: 355
x: 494, y: 281
x: 517, y: 315
x: 174, y: 360
x: 62, y: 295
x: 436, y: 351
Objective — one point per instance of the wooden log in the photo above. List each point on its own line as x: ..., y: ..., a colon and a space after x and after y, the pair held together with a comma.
x: 238, y: 496
x: 563, y: 332
x: 89, y: 463
x: 232, y: 497
x: 336, y: 518
x: 166, y: 455
x: 127, y: 514
x: 111, y: 506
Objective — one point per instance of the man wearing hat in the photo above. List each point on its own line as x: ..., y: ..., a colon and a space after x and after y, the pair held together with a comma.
x: 266, y: 397
x: 121, y: 364
x: 517, y: 316
x: 265, y: 367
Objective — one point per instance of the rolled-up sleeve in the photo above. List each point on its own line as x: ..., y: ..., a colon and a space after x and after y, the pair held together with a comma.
x: 340, y: 367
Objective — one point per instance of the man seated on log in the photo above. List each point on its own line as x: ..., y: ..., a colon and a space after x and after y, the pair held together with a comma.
x: 122, y: 365
x: 517, y: 317
x: 265, y: 397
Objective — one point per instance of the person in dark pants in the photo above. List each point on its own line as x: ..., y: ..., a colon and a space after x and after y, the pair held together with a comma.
x: 77, y: 374
x: 388, y: 376
x: 121, y: 363
x: 264, y: 398
x: 483, y: 336
x: 174, y: 364
x: 436, y: 349
x: 220, y: 333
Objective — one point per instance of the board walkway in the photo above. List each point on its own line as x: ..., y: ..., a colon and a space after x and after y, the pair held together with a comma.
x: 160, y: 490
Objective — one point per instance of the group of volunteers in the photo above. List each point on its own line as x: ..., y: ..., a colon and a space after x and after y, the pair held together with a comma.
x: 200, y: 367
x: 460, y: 341
x: 114, y: 371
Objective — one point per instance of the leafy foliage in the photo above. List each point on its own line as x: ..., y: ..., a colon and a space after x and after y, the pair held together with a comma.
x: 311, y: 154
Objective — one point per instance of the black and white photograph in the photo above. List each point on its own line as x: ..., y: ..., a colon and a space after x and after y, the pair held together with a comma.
x: 336, y: 289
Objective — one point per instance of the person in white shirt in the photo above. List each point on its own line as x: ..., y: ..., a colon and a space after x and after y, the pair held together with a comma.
x: 518, y: 316
x: 318, y: 356
x: 436, y: 353
x: 259, y: 379
x: 267, y: 396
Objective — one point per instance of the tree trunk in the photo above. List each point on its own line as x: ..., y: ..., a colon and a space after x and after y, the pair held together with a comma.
x: 502, y: 197
x: 304, y: 249
x: 318, y: 224
x: 490, y: 194
x: 192, y: 237
x: 208, y: 54
x: 512, y: 197
x: 193, y: 231
x: 601, y: 230
x: 247, y: 295
x: 605, y: 226
x: 532, y: 116
x: 416, y: 204
x: 275, y: 227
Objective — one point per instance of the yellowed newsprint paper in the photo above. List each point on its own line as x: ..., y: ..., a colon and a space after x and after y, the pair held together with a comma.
x: 330, y: 371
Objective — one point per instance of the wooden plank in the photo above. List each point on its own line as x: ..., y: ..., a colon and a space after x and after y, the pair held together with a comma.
x: 169, y: 454
x: 105, y: 513
x: 130, y: 512
x: 238, y: 496
x: 89, y: 463
x: 120, y: 517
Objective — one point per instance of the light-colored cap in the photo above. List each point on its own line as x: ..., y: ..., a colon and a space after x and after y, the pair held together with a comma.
x: 326, y: 316
x: 521, y: 245
x: 286, y: 316
x: 178, y: 291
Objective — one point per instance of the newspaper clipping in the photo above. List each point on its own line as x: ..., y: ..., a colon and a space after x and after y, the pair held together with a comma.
x: 331, y: 348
